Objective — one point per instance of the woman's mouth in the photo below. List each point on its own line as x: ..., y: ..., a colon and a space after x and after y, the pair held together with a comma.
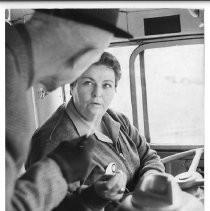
x: 96, y: 104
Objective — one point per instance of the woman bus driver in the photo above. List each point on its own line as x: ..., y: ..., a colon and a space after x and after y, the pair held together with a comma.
x: 116, y: 139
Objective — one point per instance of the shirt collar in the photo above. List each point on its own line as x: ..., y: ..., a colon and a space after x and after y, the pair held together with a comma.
x: 83, y: 126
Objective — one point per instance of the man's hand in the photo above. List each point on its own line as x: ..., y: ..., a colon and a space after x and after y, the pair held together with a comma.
x: 74, y: 157
x: 111, y: 187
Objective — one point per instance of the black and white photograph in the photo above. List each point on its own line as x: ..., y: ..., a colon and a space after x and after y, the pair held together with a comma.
x: 105, y: 107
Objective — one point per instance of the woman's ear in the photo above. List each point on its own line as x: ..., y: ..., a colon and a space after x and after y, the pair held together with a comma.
x: 72, y: 85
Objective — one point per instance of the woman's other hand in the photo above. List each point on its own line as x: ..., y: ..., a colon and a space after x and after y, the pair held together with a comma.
x: 111, y: 187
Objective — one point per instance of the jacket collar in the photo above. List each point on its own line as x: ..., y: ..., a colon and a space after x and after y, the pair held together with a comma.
x: 83, y: 126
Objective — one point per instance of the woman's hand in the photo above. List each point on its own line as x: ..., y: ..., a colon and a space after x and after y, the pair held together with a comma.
x: 111, y: 187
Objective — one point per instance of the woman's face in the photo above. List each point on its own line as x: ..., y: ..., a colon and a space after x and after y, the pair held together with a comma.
x: 94, y: 91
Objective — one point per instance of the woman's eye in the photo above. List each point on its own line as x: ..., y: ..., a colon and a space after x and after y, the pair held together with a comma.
x: 107, y: 86
x: 88, y: 83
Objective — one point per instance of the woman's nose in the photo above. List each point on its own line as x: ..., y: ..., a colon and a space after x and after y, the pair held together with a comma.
x: 97, y: 91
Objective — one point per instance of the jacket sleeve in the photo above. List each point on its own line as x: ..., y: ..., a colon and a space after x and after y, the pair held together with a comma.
x: 150, y: 161
x: 41, y: 188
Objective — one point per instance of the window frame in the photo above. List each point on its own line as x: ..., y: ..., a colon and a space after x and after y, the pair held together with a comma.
x: 139, y: 52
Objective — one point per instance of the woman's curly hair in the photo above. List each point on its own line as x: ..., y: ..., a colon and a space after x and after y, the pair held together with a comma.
x: 110, y: 61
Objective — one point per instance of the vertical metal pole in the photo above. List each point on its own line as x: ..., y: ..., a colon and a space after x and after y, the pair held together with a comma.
x: 133, y: 92
x: 144, y: 96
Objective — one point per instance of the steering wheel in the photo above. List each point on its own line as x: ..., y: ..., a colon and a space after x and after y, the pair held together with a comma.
x: 160, y: 192
x: 190, y: 178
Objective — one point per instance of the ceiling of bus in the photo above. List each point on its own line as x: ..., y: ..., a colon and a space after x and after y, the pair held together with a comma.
x: 132, y: 20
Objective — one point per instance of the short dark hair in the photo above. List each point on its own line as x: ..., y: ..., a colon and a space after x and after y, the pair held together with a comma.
x: 110, y: 61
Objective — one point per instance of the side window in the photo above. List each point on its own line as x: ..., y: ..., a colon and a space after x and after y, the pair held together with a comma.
x: 121, y: 101
x: 174, y: 78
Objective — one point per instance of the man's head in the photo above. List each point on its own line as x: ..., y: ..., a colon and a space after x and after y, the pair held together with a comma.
x: 101, y: 18
x: 76, y: 38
